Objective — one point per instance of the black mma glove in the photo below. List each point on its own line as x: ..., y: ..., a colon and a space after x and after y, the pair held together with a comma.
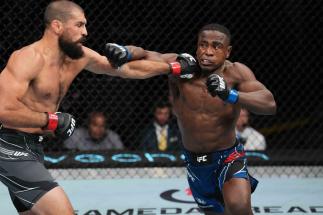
x: 217, y: 86
x: 63, y: 124
x: 116, y: 54
x: 185, y: 66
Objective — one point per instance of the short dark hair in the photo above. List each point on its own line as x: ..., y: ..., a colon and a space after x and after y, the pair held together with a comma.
x: 216, y: 27
x: 95, y: 114
x: 162, y: 104
x: 60, y: 10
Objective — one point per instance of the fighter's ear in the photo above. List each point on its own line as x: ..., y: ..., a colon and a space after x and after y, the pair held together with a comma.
x: 57, y: 26
x: 229, y: 51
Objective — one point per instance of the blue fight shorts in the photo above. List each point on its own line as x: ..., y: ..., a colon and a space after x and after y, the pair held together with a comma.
x: 207, y: 173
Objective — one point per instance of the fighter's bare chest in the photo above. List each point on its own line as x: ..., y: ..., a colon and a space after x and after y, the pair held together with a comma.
x: 195, y: 96
x: 193, y: 90
x: 52, y: 84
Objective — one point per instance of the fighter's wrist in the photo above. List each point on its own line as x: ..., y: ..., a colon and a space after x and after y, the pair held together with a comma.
x: 175, y: 68
x: 52, y: 121
x: 233, y: 96
x: 129, y: 54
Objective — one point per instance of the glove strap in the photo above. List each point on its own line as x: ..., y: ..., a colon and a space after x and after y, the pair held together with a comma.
x: 233, y: 96
x: 52, y: 122
x: 175, y: 68
x: 129, y: 55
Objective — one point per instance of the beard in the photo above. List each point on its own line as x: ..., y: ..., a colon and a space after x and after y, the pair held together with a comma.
x: 71, y: 49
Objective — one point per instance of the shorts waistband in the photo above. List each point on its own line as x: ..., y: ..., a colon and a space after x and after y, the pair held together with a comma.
x: 209, y: 158
x: 38, y: 138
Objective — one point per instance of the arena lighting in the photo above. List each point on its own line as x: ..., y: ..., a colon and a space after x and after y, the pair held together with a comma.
x: 130, y: 157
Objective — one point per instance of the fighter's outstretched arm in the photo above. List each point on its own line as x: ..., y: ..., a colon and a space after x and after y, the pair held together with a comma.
x: 22, y: 67
x: 139, y: 69
x: 119, y: 55
x: 151, y: 61
x: 142, y: 69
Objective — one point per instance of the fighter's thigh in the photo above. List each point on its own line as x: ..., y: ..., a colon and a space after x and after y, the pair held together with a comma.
x: 237, y: 196
x: 54, y: 202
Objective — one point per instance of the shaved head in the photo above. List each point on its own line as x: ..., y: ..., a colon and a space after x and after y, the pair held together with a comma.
x: 60, y: 10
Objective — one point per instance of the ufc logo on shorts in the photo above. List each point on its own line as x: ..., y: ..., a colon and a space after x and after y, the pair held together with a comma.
x: 19, y: 154
x: 201, y: 158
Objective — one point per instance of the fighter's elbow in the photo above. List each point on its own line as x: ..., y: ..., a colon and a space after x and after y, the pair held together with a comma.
x: 266, y: 108
x: 272, y: 107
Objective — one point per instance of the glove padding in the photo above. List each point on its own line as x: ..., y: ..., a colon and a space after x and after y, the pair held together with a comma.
x: 217, y: 86
x: 117, y: 54
x: 184, y: 67
x: 63, y: 124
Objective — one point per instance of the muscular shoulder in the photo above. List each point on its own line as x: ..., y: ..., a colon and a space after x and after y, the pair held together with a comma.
x: 26, y: 62
x: 90, y: 54
x: 239, y: 71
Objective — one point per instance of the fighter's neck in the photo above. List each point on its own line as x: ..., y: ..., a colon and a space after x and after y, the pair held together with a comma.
x: 49, y: 46
x: 218, y: 71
